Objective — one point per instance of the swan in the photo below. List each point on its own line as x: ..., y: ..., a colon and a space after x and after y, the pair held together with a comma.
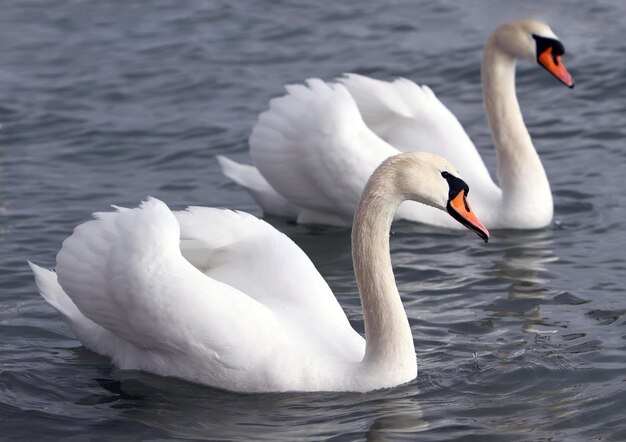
x: 221, y: 298
x: 316, y: 146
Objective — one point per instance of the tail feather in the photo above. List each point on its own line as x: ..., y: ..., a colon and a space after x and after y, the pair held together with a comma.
x: 52, y: 292
x: 88, y: 332
x: 257, y: 186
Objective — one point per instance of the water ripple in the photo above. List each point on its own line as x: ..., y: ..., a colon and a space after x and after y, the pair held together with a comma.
x: 107, y: 102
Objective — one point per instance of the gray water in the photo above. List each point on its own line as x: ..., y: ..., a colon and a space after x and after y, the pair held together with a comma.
x: 104, y: 103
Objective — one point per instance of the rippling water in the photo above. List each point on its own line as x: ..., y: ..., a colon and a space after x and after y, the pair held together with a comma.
x: 107, y: 102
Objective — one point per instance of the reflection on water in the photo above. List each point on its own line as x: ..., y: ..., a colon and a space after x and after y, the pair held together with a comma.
x: 206, y: 412
x: 523, y: 263
x: 525, y: 256
x: 393, y: 427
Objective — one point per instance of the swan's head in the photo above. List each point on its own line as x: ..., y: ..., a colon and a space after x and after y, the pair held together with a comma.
x: 533, y: 40
x: 433, y: 180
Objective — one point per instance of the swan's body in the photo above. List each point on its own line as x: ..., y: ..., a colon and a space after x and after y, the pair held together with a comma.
x: 223, y: 299
x: 316, y: 146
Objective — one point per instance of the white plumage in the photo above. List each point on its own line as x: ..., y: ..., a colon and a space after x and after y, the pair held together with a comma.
x: 129, y: 291
x: 223, y: 299
x: 314, y: 147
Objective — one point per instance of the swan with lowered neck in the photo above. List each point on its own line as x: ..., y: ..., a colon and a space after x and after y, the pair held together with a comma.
x: 315, y: 147
x: 223, y: 299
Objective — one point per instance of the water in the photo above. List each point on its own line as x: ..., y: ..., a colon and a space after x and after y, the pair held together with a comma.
x: 107, y: 102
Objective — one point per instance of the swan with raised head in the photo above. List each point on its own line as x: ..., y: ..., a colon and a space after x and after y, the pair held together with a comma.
x: 316, y: 146
x: 222, y: 298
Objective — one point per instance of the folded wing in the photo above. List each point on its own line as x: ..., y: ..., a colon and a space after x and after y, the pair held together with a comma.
x: 313, y: 148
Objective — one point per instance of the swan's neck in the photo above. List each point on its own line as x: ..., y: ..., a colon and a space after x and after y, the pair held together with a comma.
x: 521, y: 175
x: 389, y: 341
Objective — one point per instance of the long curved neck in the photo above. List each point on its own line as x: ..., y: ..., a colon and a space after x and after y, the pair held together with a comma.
x: 521, y: 175
x: 389, y: 341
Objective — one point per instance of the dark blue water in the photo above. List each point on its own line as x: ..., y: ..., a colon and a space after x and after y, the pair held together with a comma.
x: 107, y: 102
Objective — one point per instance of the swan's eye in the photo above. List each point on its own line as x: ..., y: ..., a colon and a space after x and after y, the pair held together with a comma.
x: 445, y: 174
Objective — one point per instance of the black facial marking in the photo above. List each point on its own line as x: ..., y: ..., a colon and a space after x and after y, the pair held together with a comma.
x: 544, y: 43
x: 456, y: 185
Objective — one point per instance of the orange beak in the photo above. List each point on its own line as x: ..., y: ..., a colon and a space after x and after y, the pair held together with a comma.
x: 460, y: 209
x: 554, y: 65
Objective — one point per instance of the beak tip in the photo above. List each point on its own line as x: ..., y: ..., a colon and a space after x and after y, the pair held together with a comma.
x: 568, y: 81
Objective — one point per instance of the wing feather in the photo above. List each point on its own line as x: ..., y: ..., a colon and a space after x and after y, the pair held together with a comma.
x: 204, y: 281
x: 247, y: 253
x: 126, y: 273
x: 411, y: 117
x: 313, y: 147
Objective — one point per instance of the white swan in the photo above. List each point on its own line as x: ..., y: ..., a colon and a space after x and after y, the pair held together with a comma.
x: 316, y: 146
x: 223, y: 299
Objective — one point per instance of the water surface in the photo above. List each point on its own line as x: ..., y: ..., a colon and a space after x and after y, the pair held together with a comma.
x: 106, y: 102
